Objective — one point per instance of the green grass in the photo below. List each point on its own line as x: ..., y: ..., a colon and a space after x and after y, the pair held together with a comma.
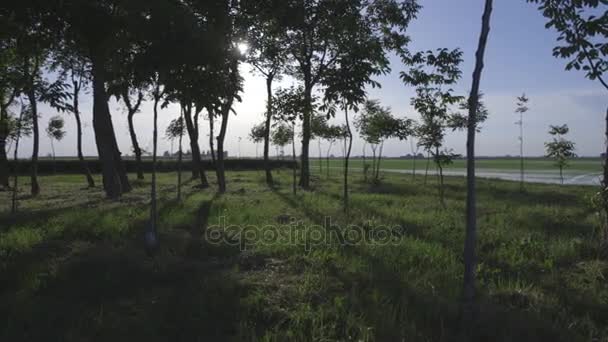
x: 579, y: 165
x: 72, y: 265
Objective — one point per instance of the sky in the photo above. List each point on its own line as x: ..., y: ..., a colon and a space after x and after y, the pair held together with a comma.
x: 518, y: 59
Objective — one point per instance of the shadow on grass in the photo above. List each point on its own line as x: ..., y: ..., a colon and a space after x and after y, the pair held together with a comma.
x: 74, y: 290
x: 396, y: 310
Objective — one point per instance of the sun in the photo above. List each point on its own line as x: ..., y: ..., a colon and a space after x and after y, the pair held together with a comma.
x: 243, y: 47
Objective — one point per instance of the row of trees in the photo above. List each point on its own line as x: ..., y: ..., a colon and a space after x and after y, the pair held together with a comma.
x: 188, y: 53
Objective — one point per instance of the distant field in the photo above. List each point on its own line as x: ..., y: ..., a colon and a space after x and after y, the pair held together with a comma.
x: 587, y: 165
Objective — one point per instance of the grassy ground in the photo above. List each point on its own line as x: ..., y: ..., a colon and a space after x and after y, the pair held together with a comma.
x: 263, y: 264
x: 580, y: 165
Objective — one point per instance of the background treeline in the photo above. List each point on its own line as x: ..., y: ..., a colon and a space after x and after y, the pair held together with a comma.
x: 73, y: 166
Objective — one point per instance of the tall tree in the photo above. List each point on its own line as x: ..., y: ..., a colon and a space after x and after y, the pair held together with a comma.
x: 21, y: 128
x: 521, y: 109
x: 560, y: 149
x: 102, y: 31
x: 433, y: 73
x: 54, y: 130
x: 267, y: 54
x: 316, y: 32
x: 583, y: 41
x: 126, y: 94
x: 470, y: 263
x: 74, y: 69
x: 176, y: 130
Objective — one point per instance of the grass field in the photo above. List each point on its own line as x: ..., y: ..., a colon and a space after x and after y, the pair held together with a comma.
x: 260, y: 264
x: 586, y: 165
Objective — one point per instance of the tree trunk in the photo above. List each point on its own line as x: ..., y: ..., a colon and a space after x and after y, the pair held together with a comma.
x: 179, y: 161
x: 379, y: 160
x: 604, y: 191
x: 267, y: 130
x: 293, y: 156
x: 115, y: 180
x: 374, y: 147
x: 4, y: 173
x: 197, y: 165
x: 35, y: 187
x: 320, y: 158
x: 83, y: 163
x: 561, y: 174
x: 221, y: 176
x: 327, y: 159
x: 470, y: 262
x: 306, y: 133
x: 16, y: 164
x: 211, y: 137
x: 364, y: 164
x: 521, y: 151
x: 151, y: 238
x: 136, y: 148
x: 54, y: 161
x: 346, y: 159
x: 428, y: 163
x: 415, y: 152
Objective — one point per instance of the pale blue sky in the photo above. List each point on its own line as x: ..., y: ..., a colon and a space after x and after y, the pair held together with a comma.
x: 518, y: 59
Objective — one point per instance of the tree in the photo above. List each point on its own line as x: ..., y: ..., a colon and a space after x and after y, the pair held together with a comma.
x: 431, y: 72
x: 21, y: 128
x: 316, y: 43
x: 69, y: 64
x: 521, y: 109
x: 560, y: 149
x: 267, y: 54
x: 176, y: 130
x: 126, y: 93
x: 282, y: 135
x: 376, y: 124
x: 471, y: 214
x: 9, y: 88
x: 54, y: 131
x: 582, y: 37
x: 331, y: 134
x: 318, y: 127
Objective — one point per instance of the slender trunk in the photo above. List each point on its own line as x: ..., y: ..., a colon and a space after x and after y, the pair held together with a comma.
x: 521, y: 151
x: 16, y: 164
x: 346, y: 158
x: 197, y: 165
x: 267, y: 130
x: 327, y: 159
x: 374, y: 147
x: 428, y: 163
x: 561, y: 174
x: 379, y: 159
x: 221, y: 176
x: 35, y: 187
x: 4, y: 172
x: 115, y: 180
x: 151, y: 234
x: 306, y: 133
x: 54, y: 162
x: 364, y: 164
x: 605, y: 180
x: 320, y: 160
x: 211, y: 137
x: 293, y: 156
x: 415, y: 152
x: 471, y: 215
x: 179, y: 160
x: 136, y: 148
x: 83, y: 163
